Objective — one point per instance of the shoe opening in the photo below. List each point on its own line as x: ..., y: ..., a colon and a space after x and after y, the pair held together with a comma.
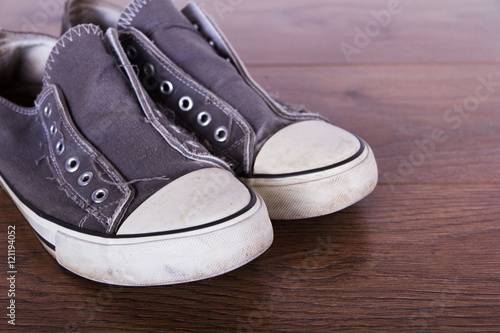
x: 22, y: 65
x: 98, y: 12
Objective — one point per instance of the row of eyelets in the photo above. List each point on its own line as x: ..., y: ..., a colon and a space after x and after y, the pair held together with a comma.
x: 73, y: 163
x: 72, y: 166
x: 210, y: 41
x: 47, y: 112
x: 186, y: 103
x: 204, y: 118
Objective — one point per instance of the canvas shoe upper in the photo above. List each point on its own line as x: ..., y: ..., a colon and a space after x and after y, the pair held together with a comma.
x: 302, y: 165
x: 115, y: 191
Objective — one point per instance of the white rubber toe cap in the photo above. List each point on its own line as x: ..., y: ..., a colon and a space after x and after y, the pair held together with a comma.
x: 305, y: 146
x: 198, y: 198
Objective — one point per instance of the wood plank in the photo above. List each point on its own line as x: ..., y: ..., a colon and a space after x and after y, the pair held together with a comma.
x: 419, y: 254
x: 413, y: 261
x: 299, y: 32
x: 394, y: 107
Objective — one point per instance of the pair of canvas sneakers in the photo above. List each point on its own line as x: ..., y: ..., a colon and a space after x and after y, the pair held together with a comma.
x: 122, y: 148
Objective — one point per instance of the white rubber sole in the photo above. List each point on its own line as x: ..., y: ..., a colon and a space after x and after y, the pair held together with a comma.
x: 319, y: 193
x: 156, y: 259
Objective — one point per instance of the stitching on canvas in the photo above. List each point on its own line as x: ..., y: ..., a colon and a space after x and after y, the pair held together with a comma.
x: 131, y: 12
x: 66, y: 39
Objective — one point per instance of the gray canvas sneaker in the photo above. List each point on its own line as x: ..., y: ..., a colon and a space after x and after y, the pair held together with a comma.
x: 114, y: 191
x: 302, y: 165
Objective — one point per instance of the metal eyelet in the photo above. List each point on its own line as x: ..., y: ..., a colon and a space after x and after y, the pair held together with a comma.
x: 186, y: 104
x: 166, y: 88
x: 221, y: 134
x: 149, y: 70
x: 131, y: 52
x: 100, y: 195
x: 60, y: 147
x: 212, y: 43
x: 72, y: 164
x: 204, y: 118
x: 53, y: 129
x: 47, y: 111
x: 196, y: 26
x: 85, y: 178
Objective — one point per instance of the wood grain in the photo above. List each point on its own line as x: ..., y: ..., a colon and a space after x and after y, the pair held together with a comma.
x: 421, y: 254
x: 394, y: 261
x: 398, y: 108
x: 300, y: 32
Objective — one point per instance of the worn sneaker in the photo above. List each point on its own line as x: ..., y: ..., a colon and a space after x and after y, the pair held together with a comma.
x: 302, y: 165
x: 114, y: 191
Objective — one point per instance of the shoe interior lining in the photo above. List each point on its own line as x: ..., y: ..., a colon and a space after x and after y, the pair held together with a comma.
x: 22, y: 65
x: 98, y: 12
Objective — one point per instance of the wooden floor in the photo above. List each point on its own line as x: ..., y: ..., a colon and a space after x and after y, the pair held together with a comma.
x: 421, y: 254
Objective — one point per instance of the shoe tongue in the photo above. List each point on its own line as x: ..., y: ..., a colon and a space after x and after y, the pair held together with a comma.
x: 98, y: 95
x: 176, y: 37
x: 83, y: 68
x: 93, y: 85
x: 146, y: 15
x: 74, y: 50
